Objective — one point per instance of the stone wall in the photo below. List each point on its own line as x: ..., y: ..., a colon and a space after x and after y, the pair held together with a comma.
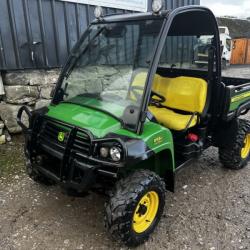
x: 31, y: 88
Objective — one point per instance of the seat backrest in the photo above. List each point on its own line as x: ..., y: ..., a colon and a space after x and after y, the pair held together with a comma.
x: 187, y: 94
x: 139, y: 81
x: 183, y: 93
x: 161, y: 85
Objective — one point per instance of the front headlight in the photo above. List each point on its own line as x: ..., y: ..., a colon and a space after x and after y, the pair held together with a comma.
x: 115, y: 153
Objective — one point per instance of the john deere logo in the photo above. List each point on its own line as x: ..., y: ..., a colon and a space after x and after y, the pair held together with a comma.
x: 61, y: 136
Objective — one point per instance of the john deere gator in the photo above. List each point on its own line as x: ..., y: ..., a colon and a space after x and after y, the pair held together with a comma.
x: 131, y: 108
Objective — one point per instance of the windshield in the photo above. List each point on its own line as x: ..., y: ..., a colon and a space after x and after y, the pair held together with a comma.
x: 107, y: 71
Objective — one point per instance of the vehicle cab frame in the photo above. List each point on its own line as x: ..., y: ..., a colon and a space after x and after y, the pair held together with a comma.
x: 173, y: 24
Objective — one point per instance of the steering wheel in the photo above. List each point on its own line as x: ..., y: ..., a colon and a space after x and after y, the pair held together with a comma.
x: 156, y: 101
x: 153, y: 101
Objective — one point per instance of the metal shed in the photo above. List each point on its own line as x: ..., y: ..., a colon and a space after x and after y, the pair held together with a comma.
x: 38, y: 34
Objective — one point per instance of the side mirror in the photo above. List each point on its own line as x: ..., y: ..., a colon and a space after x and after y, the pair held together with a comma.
x: 115, y: 31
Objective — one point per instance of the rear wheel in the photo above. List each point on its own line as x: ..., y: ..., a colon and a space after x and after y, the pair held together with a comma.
x: 135, y: 207
x: 237, y: 155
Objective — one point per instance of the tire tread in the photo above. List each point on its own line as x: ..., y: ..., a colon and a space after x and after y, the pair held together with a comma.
x: 231, y: 157
x: 125, y: 195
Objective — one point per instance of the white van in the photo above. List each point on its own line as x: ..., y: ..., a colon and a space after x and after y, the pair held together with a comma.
x: 201, y: 49
x: 227, y: 45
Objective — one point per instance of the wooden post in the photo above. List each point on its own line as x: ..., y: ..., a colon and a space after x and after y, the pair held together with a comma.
x: 239, y: 51
x: 248, y: 52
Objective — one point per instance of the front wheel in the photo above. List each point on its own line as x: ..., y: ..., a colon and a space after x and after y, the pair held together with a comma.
x: 36, y: 176
x: 237, y: 155
x: 135, y: 207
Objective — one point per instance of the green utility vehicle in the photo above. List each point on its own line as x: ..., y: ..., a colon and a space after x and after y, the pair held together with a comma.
x: 131, y: 108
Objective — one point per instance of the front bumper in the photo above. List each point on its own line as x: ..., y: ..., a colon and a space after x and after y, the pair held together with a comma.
x: 70, y: 160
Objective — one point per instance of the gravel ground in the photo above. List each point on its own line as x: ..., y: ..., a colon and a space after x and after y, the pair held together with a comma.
x: 209, y: 210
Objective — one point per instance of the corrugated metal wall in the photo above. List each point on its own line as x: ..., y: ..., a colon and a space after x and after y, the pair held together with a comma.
x: 40, y: 33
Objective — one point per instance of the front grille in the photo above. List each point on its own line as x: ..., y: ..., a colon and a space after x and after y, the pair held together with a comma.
x: 81, y: 144
x: 49, y: 137
x: 69, y: 161
x: 80, y: 141
x: 52, y: 130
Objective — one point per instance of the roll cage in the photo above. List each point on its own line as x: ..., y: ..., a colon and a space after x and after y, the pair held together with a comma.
x: 188, y: 20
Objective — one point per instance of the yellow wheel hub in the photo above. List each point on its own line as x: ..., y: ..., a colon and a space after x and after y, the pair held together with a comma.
x: 145, y: 212
x: 246, y: 149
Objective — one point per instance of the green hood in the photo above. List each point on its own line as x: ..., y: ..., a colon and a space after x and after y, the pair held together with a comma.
x: 95, y: 121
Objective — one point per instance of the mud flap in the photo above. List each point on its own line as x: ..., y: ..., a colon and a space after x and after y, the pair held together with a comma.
x: 225, y: 133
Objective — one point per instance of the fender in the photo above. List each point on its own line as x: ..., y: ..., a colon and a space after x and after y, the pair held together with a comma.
x: 153, y: 150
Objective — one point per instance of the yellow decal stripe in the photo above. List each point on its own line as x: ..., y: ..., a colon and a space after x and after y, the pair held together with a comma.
x: 239, y: 97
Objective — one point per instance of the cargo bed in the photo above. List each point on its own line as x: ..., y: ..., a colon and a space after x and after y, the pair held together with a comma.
x: 236, y: 98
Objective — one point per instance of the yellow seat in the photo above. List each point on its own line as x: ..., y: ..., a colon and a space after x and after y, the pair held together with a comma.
x: 171, y: 119
x: 186, y: 94
x: 139, y: 81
